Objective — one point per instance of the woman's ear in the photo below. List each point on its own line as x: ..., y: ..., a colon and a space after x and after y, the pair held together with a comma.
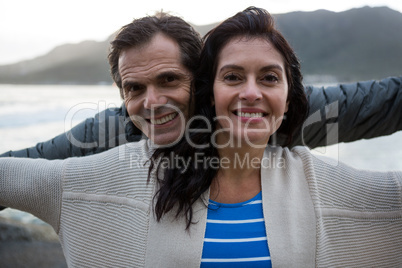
x: 287, y: 107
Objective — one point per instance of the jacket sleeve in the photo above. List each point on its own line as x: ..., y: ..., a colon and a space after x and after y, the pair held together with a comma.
x: 32, y: 185
x: 105, y: 130
x: 349, y: 112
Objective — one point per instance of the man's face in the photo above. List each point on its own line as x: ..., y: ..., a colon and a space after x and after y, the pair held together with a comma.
x: 156, y: 88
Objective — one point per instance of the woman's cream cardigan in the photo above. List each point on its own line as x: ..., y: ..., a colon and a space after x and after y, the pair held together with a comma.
x: 317, y: 213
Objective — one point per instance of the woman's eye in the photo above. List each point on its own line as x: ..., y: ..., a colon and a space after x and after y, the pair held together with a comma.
x: 231, y: 77
x: 271, y: 78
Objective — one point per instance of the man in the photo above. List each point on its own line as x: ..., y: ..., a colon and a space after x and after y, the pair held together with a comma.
x: 153, y: 60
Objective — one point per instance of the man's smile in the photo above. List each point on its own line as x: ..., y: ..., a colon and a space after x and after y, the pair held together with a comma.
x: 164, y: 119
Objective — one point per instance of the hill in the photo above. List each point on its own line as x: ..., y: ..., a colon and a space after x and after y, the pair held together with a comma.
x: 357, y: 44
x: 82, y: 63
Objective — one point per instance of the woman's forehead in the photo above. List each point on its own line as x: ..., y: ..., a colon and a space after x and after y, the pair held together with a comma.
x: 242, y: 49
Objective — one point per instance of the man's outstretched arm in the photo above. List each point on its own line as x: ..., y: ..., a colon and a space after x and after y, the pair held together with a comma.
x: 105, y: 130
x: 350, y: 112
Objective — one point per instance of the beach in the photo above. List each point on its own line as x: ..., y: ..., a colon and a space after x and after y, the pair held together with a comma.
x: 29, y: 245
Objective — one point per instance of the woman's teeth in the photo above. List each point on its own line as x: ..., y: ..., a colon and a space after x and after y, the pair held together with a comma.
x: 242, y: 114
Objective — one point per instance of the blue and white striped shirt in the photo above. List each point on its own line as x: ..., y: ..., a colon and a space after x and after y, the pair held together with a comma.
x: 235, y: 235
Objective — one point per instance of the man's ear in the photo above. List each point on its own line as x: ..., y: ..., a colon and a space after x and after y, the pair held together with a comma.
x: 212, y: 101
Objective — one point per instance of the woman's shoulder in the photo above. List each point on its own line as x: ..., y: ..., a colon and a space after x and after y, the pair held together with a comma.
x: 297, y: 153
x: 339, y: 185
x: 134, y: 150
x: 304, y: 154
x: 322, y: 166
x: 123, y: 169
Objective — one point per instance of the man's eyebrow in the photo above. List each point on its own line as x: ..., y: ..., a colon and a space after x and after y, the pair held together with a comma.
x: 165, y: 74
x: 129, y: 84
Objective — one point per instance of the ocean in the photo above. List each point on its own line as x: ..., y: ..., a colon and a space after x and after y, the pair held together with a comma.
x: 35, y: 113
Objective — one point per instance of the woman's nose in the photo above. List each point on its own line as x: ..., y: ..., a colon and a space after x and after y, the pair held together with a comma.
x: 251, y: 92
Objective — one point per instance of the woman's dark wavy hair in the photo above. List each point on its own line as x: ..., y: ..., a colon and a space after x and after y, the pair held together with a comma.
x: 180, y: 189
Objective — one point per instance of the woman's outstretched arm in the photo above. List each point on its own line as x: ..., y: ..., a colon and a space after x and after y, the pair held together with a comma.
x: 32, y: 185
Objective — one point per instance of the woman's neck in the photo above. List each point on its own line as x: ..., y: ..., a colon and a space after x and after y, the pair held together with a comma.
x: 238, y: 178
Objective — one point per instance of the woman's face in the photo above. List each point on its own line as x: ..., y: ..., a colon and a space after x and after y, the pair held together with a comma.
x: 250, y: 92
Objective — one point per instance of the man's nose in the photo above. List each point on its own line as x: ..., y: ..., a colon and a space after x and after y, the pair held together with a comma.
x: 154, y: 98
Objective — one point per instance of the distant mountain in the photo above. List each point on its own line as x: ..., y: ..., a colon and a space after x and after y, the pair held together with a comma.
x: 364, y: 43
x: 82, y: 63
x: 357, y: 44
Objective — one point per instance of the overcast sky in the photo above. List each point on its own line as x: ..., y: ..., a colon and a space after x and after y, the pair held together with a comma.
x: 29, y: 28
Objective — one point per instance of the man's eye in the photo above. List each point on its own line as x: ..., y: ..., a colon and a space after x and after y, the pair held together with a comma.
x: 134, y: 88
x: 170, y: 79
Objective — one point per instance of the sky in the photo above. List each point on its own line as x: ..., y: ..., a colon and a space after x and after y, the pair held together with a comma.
x: 32, y: 28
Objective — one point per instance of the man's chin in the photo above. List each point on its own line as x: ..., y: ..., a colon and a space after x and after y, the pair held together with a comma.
x: 165, y: 139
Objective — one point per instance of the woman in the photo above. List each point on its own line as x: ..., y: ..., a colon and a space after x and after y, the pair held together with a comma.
x: 315, y: 213
x: 112, y: 211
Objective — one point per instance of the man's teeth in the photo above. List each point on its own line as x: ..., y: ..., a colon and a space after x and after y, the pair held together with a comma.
x: 241, y: 114
x: 163, y: 120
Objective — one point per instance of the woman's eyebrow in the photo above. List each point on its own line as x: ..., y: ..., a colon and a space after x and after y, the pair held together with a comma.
x: 231, y: 67
x: 271, y: 67
x: 265, y: 68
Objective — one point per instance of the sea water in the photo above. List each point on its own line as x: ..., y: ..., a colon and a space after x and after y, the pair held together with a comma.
x: 35, y: 113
